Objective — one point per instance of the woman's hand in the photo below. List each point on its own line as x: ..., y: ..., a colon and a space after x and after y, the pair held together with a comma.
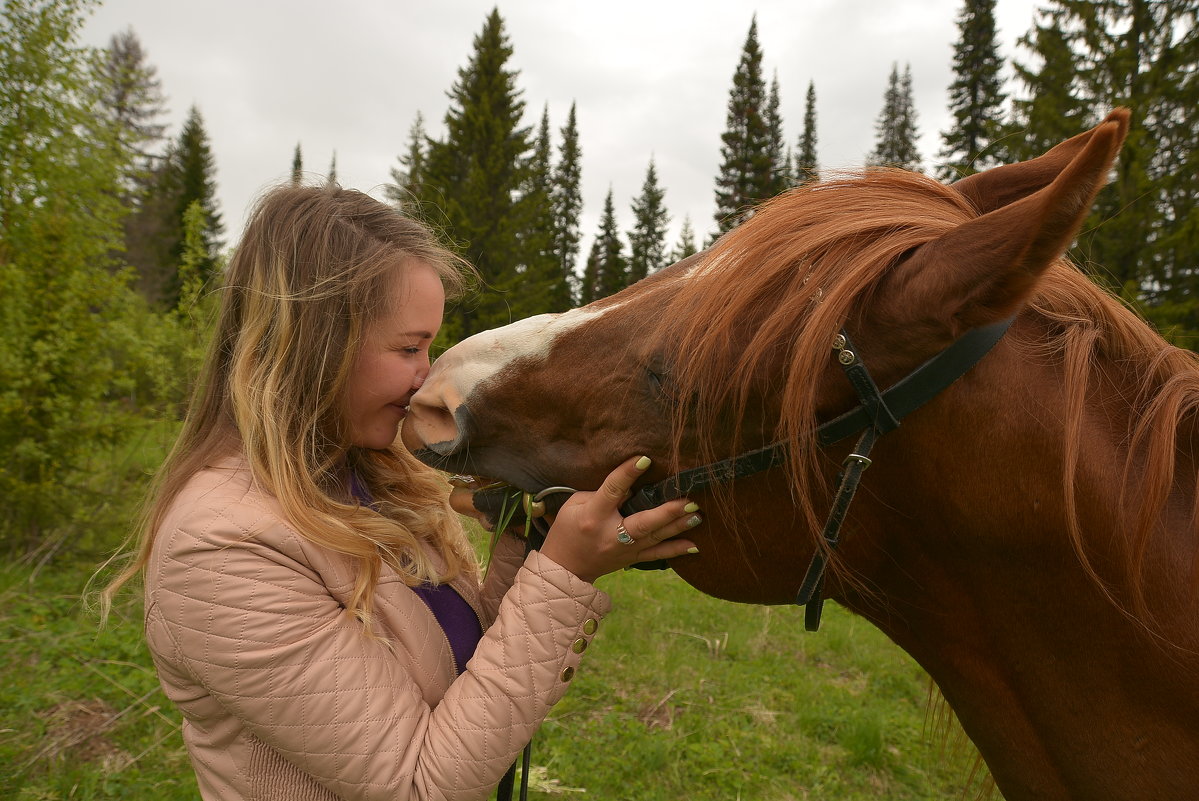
x: 585, y: 537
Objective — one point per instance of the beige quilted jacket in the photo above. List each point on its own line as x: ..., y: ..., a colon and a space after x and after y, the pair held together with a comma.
x: 282, y: 695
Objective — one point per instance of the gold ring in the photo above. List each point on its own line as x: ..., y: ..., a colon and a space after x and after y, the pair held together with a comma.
x: 622, y: 536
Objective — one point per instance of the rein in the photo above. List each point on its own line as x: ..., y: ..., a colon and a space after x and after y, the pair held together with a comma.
x: 877, y: 413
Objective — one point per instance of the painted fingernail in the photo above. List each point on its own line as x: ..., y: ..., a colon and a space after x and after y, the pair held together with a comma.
x: 691, y: 507
x: 642, y: 463
x: 694, y: 521
x: 693, y: 549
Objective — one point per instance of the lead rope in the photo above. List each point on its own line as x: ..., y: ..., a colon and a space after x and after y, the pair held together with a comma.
x: 503, y: 790
x: 535, y: 533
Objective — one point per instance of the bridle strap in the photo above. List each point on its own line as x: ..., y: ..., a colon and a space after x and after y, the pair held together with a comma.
x: 910, y: 393
x: 811, y: 591
x: 876, y: 414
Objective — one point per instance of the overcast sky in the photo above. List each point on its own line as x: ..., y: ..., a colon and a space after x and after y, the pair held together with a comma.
x: 650, y: 78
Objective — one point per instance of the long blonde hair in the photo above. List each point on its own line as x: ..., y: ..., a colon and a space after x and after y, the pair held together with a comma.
x: 313, y: 269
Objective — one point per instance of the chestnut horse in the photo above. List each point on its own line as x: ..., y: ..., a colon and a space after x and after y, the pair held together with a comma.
x: 1028, y: 535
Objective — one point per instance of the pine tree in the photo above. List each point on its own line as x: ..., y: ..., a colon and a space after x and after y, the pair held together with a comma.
x: 807, y: 165
x: 1143, y: 238
x: 540, y: 279
x: 647, y: 239
x: 189, y: 175
x: 1050, y: 109
x: 1144, y: 54
x: 404, y: 191
x: 896, y: 126
x: 747, y: 169
x: 686, y: 244
x: 331, y: 178
x: 607, y: 269
x: 476, y: 173
x: 781, y: 177
x: 131, y: 99
x: 975, y: 96
x: 131, y: 96
x: 568, y: 206
x: 297, y: 167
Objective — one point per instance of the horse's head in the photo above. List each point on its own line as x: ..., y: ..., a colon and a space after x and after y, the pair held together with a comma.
x: 730, y: 349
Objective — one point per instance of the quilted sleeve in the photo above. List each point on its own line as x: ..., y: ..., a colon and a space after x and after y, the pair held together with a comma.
x: 505, y: 560
x: 258, y: 630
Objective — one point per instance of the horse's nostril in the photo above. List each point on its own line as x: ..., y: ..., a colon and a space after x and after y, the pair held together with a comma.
x: 429, y: 422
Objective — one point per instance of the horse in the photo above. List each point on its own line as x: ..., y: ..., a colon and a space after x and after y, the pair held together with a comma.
x: 1026, y: 529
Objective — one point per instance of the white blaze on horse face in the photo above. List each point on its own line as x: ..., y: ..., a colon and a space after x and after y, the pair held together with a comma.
x: 434, y: 412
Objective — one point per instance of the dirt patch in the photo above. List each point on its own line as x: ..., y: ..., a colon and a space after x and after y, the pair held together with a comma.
x: 78, y: 729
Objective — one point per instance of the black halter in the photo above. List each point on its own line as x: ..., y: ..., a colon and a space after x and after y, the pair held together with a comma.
x: 877, y: 413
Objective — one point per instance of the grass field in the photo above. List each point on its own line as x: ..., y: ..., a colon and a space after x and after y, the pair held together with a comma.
x: 680, y: 696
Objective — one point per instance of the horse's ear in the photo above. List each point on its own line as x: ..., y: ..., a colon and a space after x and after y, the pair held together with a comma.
x: 984, y: 270
x: 999, y: 186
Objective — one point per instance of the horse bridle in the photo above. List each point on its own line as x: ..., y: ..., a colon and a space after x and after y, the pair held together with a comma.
x: 876, y: 414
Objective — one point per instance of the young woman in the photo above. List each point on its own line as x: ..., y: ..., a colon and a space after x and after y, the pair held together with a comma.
x: 312, y: 603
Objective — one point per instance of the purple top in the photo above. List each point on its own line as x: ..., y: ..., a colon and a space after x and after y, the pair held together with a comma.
x: 455, y: 616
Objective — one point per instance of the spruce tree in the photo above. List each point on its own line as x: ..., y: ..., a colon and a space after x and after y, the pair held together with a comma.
x: 568, y: 207
x: 1144, y: 55
x: 404, y: 191
x: 188, y: 175
x: 297, y: 167
x: 1049, y: 109
x: 975, y: 97
x: 781, y: 177
x: 807, y: 165
x: 607, y: 269
x: 896, y: 126
x: 131, y: 96
x: 131, y: 99
x: 539, y: 281
x: 647, y: 239
x: 686, y: 245
x: 475, y: 175
x: 747, y: 168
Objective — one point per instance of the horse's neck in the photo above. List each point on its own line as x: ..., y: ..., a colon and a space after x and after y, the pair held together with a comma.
x: 1067, y: 693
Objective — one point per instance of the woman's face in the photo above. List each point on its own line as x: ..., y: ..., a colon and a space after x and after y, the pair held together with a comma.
x: 394, y: 359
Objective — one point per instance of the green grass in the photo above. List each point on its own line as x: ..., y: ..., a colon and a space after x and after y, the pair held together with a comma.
x: 679, y: 696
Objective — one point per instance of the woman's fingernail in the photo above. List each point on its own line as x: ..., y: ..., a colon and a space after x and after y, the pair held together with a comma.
x: 693, y: 549
x: 691, y: 507
x: 642, y: 463
x: 694, y: 521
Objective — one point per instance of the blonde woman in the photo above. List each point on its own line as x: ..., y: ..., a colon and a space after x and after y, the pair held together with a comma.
x: 312, y: 603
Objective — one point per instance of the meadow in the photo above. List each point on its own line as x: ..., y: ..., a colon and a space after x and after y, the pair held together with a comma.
x: 680, y: 696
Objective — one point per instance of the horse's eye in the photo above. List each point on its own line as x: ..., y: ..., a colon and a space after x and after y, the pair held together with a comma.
x: 659, y: 383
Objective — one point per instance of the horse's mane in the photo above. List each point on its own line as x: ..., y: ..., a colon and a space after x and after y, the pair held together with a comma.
x: 777, y: 288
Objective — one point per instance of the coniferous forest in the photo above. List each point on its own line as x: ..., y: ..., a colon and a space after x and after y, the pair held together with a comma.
x: 112, y: 246
x: 111, y: 241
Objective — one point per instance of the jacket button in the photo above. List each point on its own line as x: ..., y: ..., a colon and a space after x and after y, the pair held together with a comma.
x: 579, y: 646
x: 568, y: 674
x: 590, y: 626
